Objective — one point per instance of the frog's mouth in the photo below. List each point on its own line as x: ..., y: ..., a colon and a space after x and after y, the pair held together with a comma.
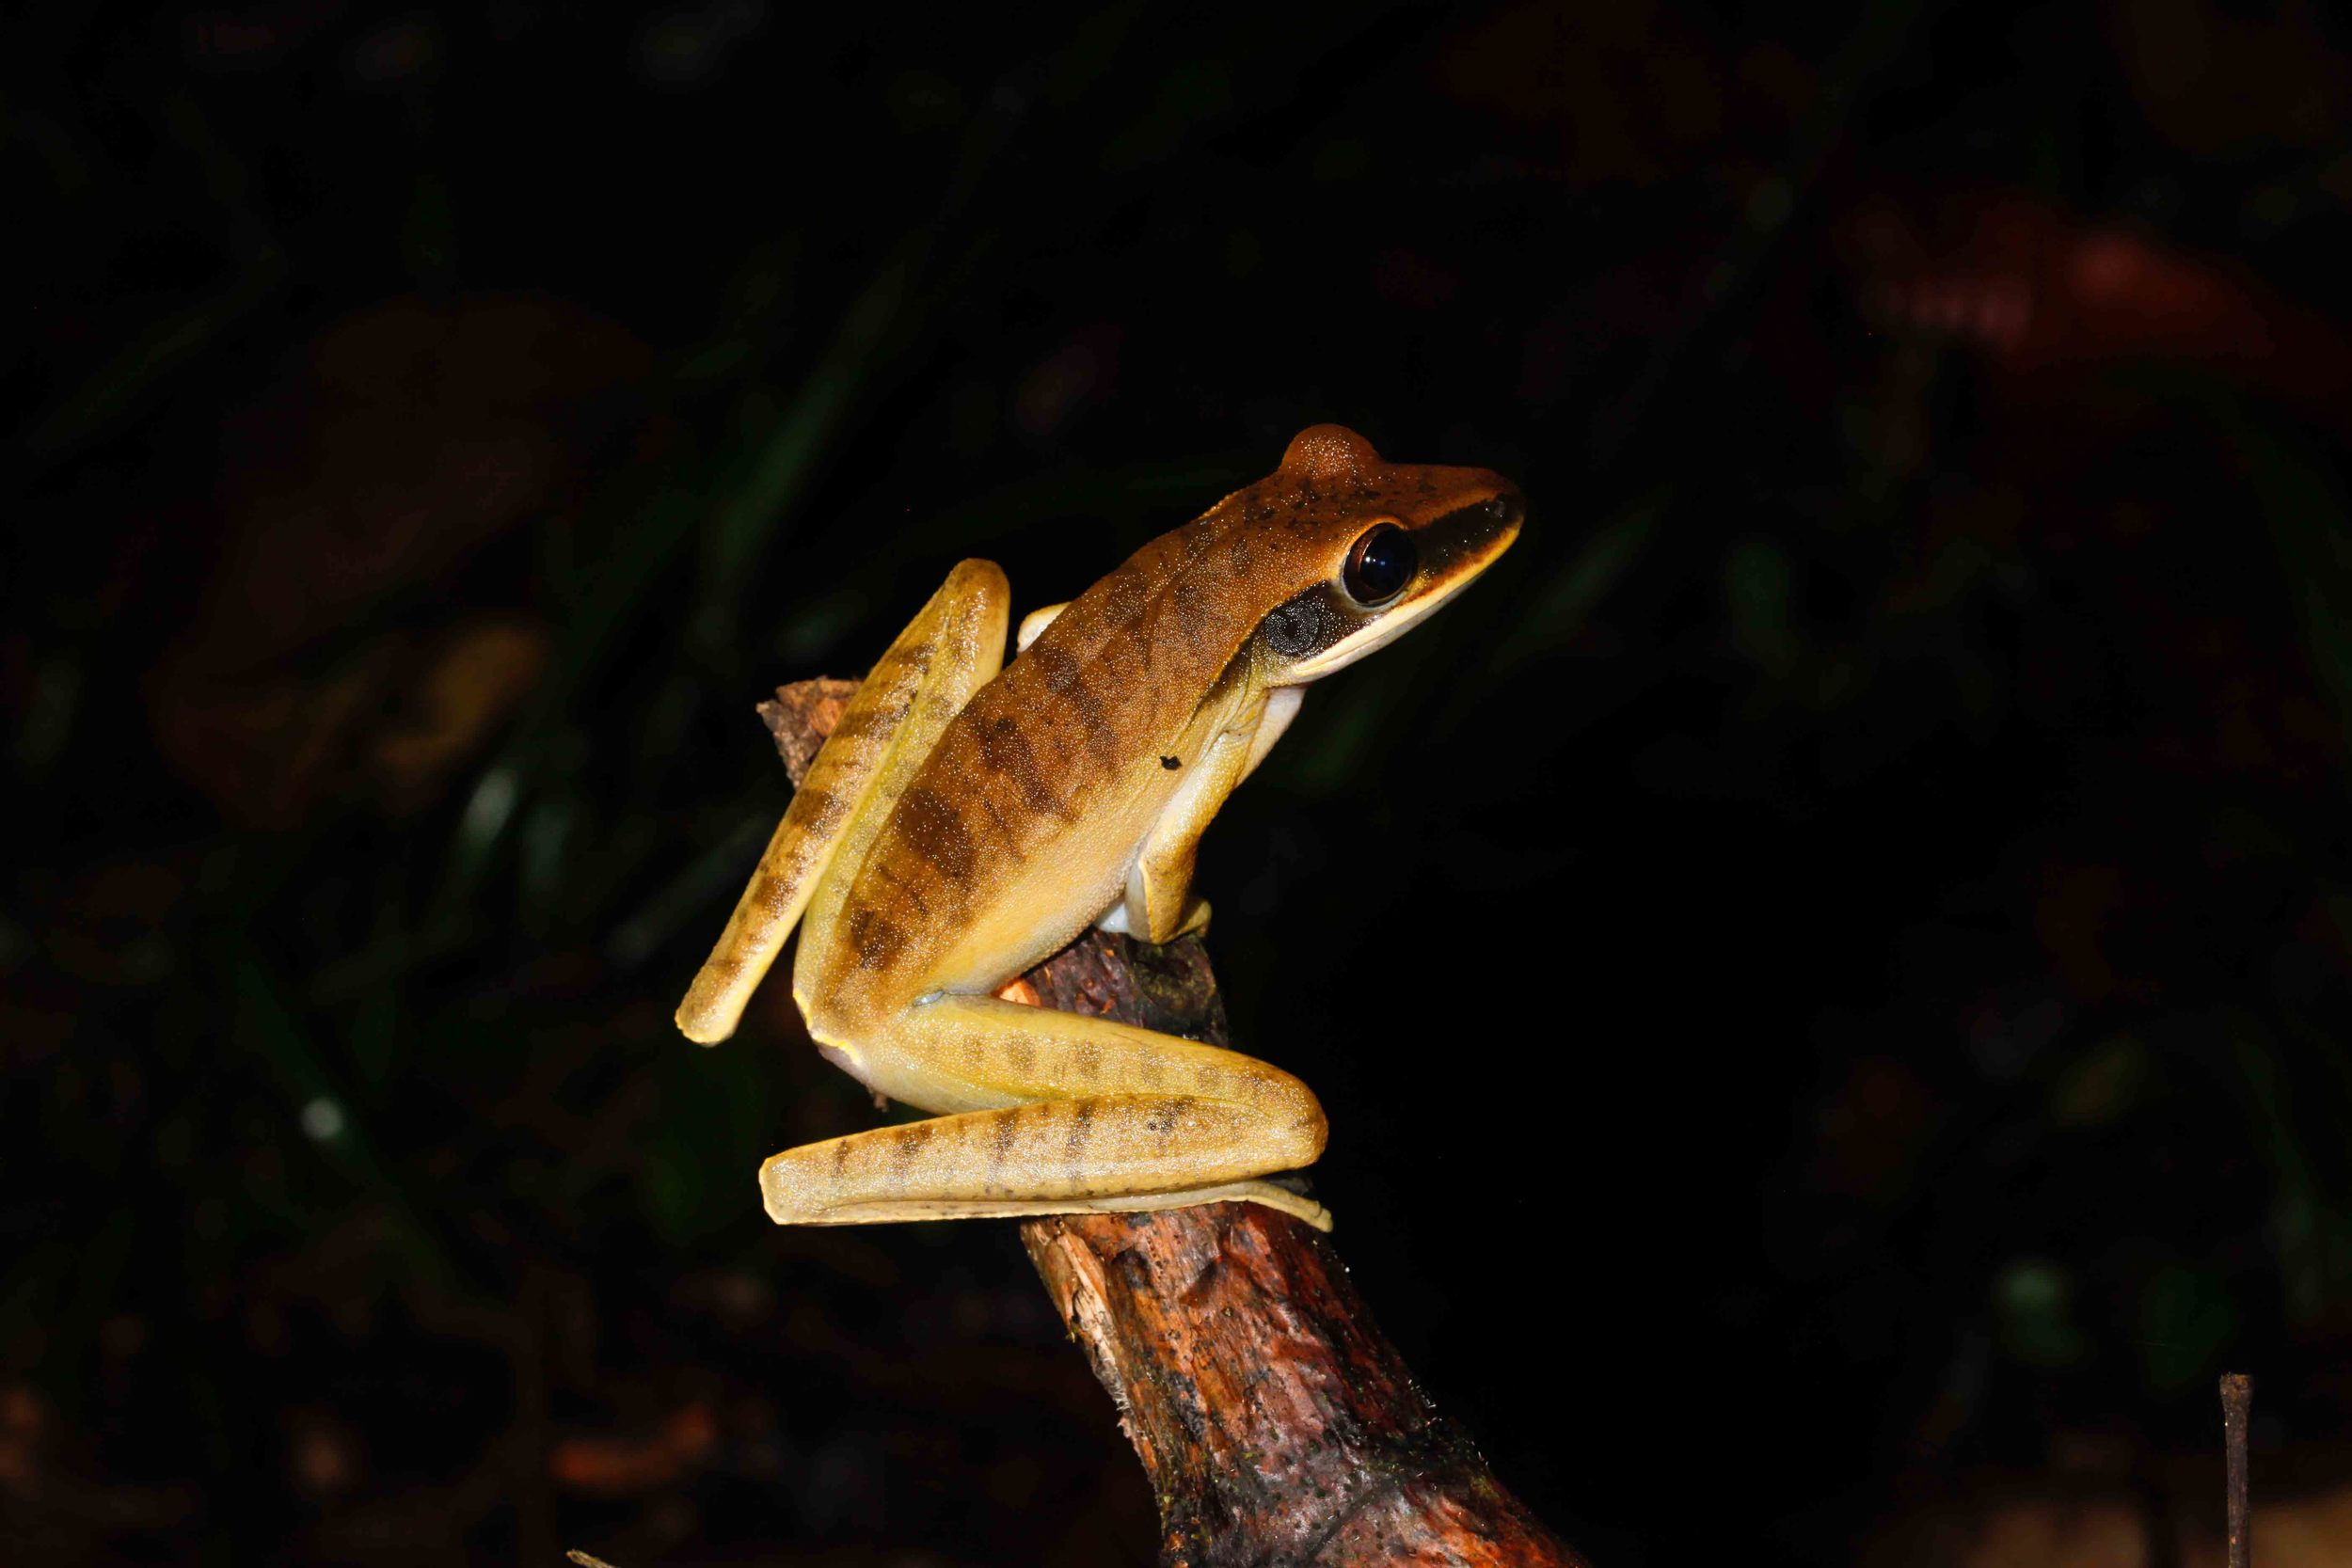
x: 1455, y: 547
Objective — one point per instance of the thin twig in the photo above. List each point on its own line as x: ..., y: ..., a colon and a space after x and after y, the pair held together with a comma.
x: 2237, y: 1395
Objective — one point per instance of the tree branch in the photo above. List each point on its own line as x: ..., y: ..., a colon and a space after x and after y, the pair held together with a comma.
x: 1275, y: 1421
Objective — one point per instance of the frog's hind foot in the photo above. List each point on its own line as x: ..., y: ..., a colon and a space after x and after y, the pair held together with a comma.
x: 1279, y: 1192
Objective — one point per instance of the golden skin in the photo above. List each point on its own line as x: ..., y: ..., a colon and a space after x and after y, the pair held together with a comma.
x: 962, y: 823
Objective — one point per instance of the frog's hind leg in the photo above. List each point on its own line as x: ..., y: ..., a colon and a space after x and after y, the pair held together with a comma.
x: 953, y: 646
x: 1052, y: 1113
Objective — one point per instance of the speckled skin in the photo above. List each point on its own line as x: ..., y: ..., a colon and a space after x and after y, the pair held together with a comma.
x: 961, y: 824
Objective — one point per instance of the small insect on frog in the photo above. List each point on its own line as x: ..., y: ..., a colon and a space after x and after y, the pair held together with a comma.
x: 963, y: 822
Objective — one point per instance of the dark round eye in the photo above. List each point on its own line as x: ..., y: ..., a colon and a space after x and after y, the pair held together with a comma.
x: 1379, y: 565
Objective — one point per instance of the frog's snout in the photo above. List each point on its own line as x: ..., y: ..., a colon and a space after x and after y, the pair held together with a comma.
x: 1484, y: 527
x: 1509, y: 508
x: 1500, y: 514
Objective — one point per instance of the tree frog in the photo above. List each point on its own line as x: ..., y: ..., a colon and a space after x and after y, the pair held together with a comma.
x: 964, y: 821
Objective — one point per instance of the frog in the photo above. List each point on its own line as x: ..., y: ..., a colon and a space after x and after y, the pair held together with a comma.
x: 969, y: 816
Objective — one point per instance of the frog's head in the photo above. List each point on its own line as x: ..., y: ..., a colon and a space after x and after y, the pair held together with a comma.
x: 1368, y: 547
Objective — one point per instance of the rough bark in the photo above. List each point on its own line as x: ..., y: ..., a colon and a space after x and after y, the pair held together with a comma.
x: 1276, y: 1422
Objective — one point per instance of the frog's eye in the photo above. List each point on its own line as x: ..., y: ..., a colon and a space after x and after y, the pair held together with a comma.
x: 1379, y: 565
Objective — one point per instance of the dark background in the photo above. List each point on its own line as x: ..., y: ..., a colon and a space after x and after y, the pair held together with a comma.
x: 1827, y: 968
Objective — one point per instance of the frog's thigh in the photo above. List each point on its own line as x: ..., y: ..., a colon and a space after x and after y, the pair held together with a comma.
x: 1085, y: 1114
x: 959, y: 652
x: 951, y: 647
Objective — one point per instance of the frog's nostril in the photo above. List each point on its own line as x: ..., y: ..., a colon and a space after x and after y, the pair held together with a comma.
x: 1509, y: 508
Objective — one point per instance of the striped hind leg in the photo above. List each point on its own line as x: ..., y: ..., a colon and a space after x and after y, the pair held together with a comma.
x: 1051, y: 1113
x: 952, y: 648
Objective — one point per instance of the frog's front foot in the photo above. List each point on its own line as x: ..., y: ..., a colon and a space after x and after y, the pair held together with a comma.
x: 1195, y: 923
